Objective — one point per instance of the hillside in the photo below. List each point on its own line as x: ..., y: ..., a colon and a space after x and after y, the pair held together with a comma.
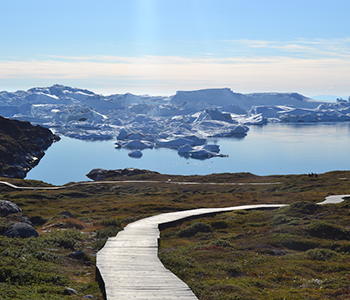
x: 22, y: 146
x: 244, y: 255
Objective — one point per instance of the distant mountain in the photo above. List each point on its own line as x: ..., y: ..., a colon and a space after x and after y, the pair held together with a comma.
x: 22, y: 146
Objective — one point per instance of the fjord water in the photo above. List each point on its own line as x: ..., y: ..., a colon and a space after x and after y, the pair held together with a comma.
x: 266, y: 150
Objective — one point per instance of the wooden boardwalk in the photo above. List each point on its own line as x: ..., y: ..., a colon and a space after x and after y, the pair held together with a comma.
x: 129, y: 267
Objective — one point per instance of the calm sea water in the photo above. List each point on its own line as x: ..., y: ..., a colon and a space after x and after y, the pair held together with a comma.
x: 266, y: 150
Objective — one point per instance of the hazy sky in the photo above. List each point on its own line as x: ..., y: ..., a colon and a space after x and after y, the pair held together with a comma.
x: 161, y: 46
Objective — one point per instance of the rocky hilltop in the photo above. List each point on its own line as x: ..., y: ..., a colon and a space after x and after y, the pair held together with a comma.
x: 22, y: 146
x: 101, y: 174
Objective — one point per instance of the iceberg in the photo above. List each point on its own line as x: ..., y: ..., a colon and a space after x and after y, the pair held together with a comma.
x: 204, y: 154
x: 213, y: 128
x: 185, y: 150
x: 134, y: 144
x: 178, y: 142
x: 200, y: 152
x: 183, y: 120
x: 135, y: 153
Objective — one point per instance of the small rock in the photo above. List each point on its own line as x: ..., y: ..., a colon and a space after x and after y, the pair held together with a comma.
x: 22, y: 230
x: 69, y: 291
x: 26, y: 219
x: 89, y: 297
x: 77, y: 254
x: 37, y: 220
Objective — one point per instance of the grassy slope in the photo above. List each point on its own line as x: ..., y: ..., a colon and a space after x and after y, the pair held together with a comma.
x: 239, y: 256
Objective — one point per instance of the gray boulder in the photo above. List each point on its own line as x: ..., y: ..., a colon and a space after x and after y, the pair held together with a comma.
x: 8, y: 207
x: 22, y: 230
x: 77, y: 254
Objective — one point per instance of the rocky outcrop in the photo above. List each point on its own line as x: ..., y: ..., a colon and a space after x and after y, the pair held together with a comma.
x: 101, y: 174
x: 22, y: 146
x: 14, y: 223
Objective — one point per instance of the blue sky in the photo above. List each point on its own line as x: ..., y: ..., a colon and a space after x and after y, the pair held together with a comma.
x: 161, y: 46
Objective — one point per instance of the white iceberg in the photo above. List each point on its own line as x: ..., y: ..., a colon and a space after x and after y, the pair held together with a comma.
x: 139, y: 121
x: 212, y: 148
x: 200, y: 152
x: 178, y: 142
x: 204, y: 154
x: 213, y: 128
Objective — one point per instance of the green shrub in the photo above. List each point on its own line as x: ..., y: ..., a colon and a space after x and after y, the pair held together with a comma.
x: 219, y: 225
x: 33, y: 252
x: 4, y: 226
x: 107, y: 232
x: 64, y: 238
x: 322, y: 254
x: 326, y: 230
x: 300, y: 208
x: 45, y: 291
x: 22, y: 276
x: 47, y: 256
x: 184, y: 266
x: 222, y: 243
x: 234, y: 270
x: 194, y: 229
x: 111, y: 222
x: 99, y: 244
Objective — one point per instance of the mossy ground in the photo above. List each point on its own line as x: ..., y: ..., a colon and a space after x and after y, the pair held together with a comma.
x: 277, y: 254
x: 244, y: 255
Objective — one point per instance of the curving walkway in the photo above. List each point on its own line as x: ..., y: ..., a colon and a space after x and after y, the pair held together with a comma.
x: 132, y: 181
x: 334, y: 199
x: 129, y: 267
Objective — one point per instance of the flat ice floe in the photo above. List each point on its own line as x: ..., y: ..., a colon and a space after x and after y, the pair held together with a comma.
x: 183, y: 121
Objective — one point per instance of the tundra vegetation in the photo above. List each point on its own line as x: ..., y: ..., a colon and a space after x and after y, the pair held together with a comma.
x: 297, y: 252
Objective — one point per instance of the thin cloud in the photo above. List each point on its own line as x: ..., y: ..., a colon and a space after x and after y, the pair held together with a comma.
x: 315, y: 47
x: 244, y: 74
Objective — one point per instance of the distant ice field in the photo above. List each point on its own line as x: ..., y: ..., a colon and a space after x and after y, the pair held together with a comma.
x: 274, y: 148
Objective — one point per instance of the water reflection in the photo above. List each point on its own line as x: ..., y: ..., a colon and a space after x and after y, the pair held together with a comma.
x: 266, y: 150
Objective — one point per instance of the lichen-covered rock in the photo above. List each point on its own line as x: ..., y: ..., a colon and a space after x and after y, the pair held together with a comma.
x: 8, y: 207
x: 22, y: 230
